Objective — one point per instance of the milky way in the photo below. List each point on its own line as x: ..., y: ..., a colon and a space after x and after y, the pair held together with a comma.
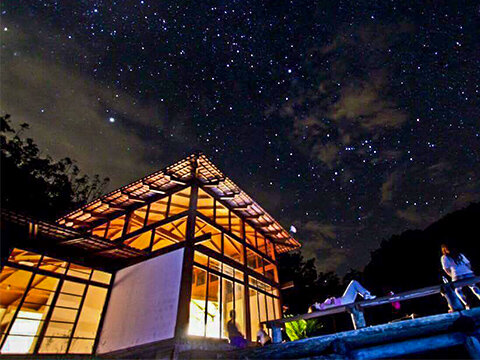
x: 351, y: 120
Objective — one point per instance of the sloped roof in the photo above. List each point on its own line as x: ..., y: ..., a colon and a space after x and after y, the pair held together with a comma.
x: 196, y: 166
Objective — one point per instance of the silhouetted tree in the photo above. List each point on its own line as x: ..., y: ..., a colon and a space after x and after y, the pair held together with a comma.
x: 303, y: 273
x: 37, y: 185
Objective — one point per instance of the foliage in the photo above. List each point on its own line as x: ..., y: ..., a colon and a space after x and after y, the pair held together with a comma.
x: 301, y: 329
x: 36, y: 184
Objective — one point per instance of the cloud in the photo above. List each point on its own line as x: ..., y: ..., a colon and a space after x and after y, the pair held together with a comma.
x: 320, y: 243
x: 364, y: 104
x: 327, y: 153
x: 69, y: 110
x: 415, y: 217
x: 352, y: 98
x: 388, y: 187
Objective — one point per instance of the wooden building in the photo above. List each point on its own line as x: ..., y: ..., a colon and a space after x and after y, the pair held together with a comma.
x: 158, y: 261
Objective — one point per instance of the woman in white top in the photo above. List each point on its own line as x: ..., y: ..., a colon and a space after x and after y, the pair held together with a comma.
x: 457, y: 266
x: 353, y: 289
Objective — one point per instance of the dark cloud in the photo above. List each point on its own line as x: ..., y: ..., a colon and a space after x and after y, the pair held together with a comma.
x: 388, y: 187
x: 320, y: 243
x: 415, y: 216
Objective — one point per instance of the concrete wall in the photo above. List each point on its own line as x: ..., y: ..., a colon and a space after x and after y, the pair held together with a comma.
x: 143, y: 304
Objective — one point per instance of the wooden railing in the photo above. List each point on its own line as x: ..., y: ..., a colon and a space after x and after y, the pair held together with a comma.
x: 356, y: 309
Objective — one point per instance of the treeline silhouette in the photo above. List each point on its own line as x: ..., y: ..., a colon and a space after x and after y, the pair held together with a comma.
x: 37, y: 185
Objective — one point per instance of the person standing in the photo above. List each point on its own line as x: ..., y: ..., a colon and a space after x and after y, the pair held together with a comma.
x: 234, y: 335
x: 262, y: 337
x: 458, y: 267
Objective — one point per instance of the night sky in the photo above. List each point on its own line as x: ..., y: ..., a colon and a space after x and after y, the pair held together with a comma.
x: 351, y: 120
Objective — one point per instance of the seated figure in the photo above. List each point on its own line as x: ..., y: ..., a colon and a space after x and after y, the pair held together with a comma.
x: 353, y: 289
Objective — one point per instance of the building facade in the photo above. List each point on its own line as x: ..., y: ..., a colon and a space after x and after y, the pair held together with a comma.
x: 167, y: 257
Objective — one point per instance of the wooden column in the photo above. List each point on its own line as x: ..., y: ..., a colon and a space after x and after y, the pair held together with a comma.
x: 183, y: 312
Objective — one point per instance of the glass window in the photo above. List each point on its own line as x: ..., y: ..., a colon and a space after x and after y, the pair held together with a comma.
x: 254, y: 261
x: 254, y: 318
x: 12, y: 286
x: 236, y: 225
x: 261, y: 243
x: 170, y: 233
x: 53, y: 265
x: 196, y: 324
x: 81, y: 272
x: 205, y: 204
x: 81, y: 346
x: 278, y: 308
x: 270, y: 308
x: 53, y: 345
x: 223, y: 295
x: 240, y: 307
x: 100, y: 230
x: 24, y: 257
x: 91, y: 312
x: 250, y: 235
x: 101, y: 276
x: 115, y: 228
x: 270, y: 270
x: 180, y: 202
x: 262, y: 307
x: 215, y: 241
x: 201, y: 259
x: 35, y: 294
x: 141, y: 241
x: 158, y: 211
x: 233, y: 249
x: 222, y: 216
x: 137, y: 219
x: 227, y: 305
x: 213, y: 307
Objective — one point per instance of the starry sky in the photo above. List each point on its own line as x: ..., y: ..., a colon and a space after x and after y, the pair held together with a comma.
x: 352, y: 120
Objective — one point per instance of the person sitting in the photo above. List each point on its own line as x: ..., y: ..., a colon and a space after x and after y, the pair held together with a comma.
x: 458, y: 267
x: 234, y: 335
x: 353, y: 289
x: 262, y: 337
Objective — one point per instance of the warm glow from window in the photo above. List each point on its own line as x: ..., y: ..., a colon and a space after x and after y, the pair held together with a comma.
x: 26, y: 297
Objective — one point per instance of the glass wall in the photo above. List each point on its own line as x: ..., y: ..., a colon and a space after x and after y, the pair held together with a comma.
x: 217, y: 289
x: 218, y: 293
x: 49, y: 306
x: 264, y: 304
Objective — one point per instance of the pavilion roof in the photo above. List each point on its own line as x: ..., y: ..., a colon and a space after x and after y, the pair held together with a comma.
x: 197, y: 166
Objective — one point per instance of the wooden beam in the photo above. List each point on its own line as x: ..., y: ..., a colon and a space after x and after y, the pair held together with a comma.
x: 133, y: 197
x: 176, y: 180
x: 227, y: 197
x: 156, y: 190
x: 242, y: 208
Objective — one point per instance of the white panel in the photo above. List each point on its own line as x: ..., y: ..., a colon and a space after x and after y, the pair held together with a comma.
x: 143, y: 304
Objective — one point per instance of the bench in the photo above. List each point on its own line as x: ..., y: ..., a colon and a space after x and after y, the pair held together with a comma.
x: 356, y: 309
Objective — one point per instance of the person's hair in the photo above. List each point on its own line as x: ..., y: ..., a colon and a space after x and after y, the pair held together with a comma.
x: 454, y: 254
x: 232, y: 313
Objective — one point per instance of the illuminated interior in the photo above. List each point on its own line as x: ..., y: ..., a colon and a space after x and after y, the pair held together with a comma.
x: 48, y: 305
x: 218, y: 288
